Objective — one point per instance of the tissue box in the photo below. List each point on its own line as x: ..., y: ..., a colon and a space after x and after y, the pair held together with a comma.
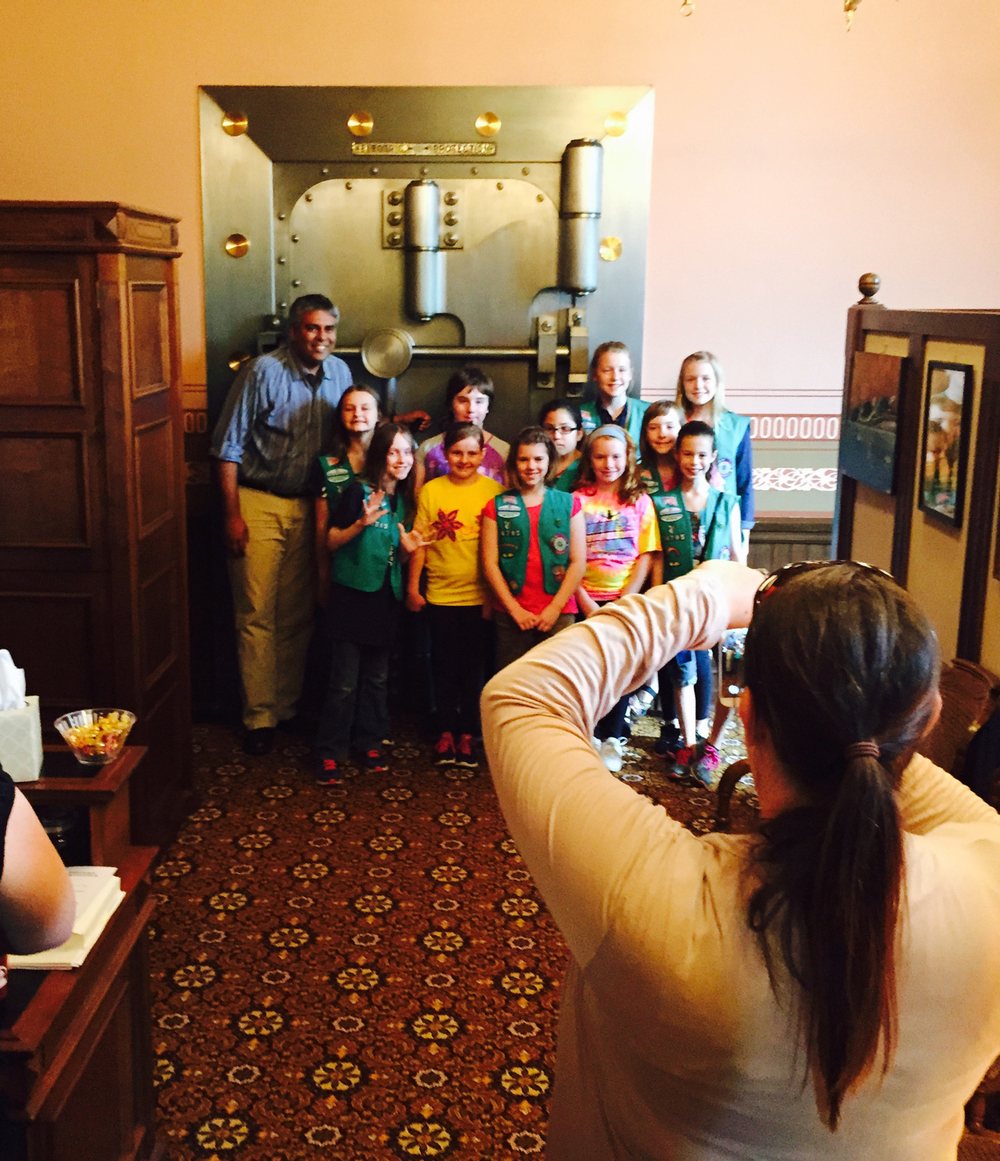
x: 21, y: 741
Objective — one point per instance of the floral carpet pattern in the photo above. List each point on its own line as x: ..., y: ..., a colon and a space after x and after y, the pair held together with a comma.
x: 362, y: 972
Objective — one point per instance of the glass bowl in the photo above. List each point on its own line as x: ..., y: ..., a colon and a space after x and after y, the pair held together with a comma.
x: 95, y: 736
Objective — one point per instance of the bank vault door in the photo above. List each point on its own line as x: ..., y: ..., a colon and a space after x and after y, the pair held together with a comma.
x: 513, y: 239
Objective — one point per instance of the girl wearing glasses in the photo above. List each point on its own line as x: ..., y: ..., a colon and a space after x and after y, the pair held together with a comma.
x: 806, y: 991
x: 561, y: 421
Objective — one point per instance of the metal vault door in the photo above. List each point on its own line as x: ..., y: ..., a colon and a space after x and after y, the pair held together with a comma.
x: 473, y: 219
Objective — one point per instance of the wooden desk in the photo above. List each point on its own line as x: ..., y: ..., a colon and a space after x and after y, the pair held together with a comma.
x: 76, y: 1080
x: 104, y: 794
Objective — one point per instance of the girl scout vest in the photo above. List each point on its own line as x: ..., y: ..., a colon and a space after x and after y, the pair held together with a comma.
x: 514, y: 528
x: 634, y: 411
x: 729, y: 433
x: 361, y: 562
x: 566, y: 482
x: 337, y: 474
x: 675, y: 530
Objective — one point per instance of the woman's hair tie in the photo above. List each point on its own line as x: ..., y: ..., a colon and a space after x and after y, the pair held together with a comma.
x: 861, y: 750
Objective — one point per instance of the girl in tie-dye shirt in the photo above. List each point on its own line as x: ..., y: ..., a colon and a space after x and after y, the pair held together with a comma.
x: 622, y: 536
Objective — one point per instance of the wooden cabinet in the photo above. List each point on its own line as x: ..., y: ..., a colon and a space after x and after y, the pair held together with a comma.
x: 75, y: 1054
x: 93, y: 601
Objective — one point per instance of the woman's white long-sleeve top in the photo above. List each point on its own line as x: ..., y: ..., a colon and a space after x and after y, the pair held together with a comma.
x: 672, y: 1043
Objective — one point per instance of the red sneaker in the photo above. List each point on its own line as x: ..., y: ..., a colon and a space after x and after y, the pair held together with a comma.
x: 375, y: 762
x: 326, y: 772
x: 444, y: 750
x: 464, y: 755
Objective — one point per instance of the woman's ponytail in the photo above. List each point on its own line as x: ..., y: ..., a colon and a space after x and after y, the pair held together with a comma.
x: 851, y: 931
x: 838, y: 652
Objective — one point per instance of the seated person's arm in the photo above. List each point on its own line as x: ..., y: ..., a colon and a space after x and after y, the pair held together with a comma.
x: 37, y: 907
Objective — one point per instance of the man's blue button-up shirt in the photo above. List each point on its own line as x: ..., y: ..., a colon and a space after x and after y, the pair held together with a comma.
x: 277, y: 420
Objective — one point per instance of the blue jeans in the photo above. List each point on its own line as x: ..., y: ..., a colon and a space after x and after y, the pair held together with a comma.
x: 356, y: 701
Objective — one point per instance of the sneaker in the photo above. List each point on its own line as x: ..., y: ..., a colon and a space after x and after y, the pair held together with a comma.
x: 669, y: 741
x: 639, y: 702
x: 611, y: 753
x: 706, y: 763
x: 596, y: 743
x: 463, y: 752
x: 375, y: 762
x: 326, y: 772
x: 684, y: 759
x: 444, y: 750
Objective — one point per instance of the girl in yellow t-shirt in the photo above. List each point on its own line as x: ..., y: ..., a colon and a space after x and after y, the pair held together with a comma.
x: 449, y: 513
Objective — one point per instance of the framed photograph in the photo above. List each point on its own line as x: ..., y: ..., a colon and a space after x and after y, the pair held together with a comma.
x: 945, y: 452
x: 871, y: 421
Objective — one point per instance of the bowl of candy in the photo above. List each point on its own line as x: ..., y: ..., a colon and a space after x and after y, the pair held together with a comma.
x: 95, y: 736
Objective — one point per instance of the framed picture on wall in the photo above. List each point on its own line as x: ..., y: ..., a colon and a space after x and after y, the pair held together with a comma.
x: 871, y: 420
x: 945, y: 450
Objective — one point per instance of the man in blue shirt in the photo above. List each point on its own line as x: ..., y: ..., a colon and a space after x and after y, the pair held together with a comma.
x: 278, y: 417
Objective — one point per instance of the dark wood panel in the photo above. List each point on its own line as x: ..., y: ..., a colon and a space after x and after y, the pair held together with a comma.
x: 91, y: 225
x: 44, y: 490
x: 157, y: 549
x: 154, y: 453
x: 41, y: 360
x: 976, y: 573
x: 158, y: 624
x: 161, y: 787
x: 150, y: 337
x: 780, y: 540
x: 53, y: 637
x: 92, y: 1116
x: 910, y: 398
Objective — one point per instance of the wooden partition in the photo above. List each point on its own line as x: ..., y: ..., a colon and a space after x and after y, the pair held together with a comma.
x: 93, y: 598
x: 951, y: 569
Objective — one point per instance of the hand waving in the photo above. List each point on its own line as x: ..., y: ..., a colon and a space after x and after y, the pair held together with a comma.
x: 411, y: 541
x: 373, y: 508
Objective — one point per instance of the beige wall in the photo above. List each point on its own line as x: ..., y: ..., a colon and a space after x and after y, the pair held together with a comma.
x: 790, y: 156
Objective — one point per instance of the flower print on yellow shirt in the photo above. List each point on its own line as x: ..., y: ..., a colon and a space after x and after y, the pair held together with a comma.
x: 449, y: 517
x: 446, y: 526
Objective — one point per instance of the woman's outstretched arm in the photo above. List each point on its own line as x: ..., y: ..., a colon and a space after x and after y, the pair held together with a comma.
x: 577, y: 828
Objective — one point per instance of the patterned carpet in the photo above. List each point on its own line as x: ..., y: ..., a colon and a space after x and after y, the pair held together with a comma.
x: 363, y: 972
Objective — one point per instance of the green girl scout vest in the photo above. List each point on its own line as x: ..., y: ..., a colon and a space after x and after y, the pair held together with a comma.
x: 337, y: 474
x: 360, y: 563
x: 729, y: 433
x: 514, y: 528
x: 675, y: 530
x: 566, y: 482
x: 634, y: 411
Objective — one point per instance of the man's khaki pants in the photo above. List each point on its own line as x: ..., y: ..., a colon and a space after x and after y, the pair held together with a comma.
x: 273, y: 598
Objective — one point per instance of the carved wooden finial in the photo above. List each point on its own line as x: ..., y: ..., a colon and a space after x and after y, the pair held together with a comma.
x: 868, y: 284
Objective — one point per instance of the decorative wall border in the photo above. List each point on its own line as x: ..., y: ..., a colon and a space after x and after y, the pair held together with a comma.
x: 825, y: 428
x: 795, y: 479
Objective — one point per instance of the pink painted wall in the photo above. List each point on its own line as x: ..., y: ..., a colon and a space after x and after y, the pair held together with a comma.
x: 790, y: 156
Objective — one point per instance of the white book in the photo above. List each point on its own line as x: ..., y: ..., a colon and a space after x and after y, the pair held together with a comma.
x: 92, y: 887
x: 73, y: 952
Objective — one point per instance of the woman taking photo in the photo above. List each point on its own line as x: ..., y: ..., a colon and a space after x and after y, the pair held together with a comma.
x: 827, y: 988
